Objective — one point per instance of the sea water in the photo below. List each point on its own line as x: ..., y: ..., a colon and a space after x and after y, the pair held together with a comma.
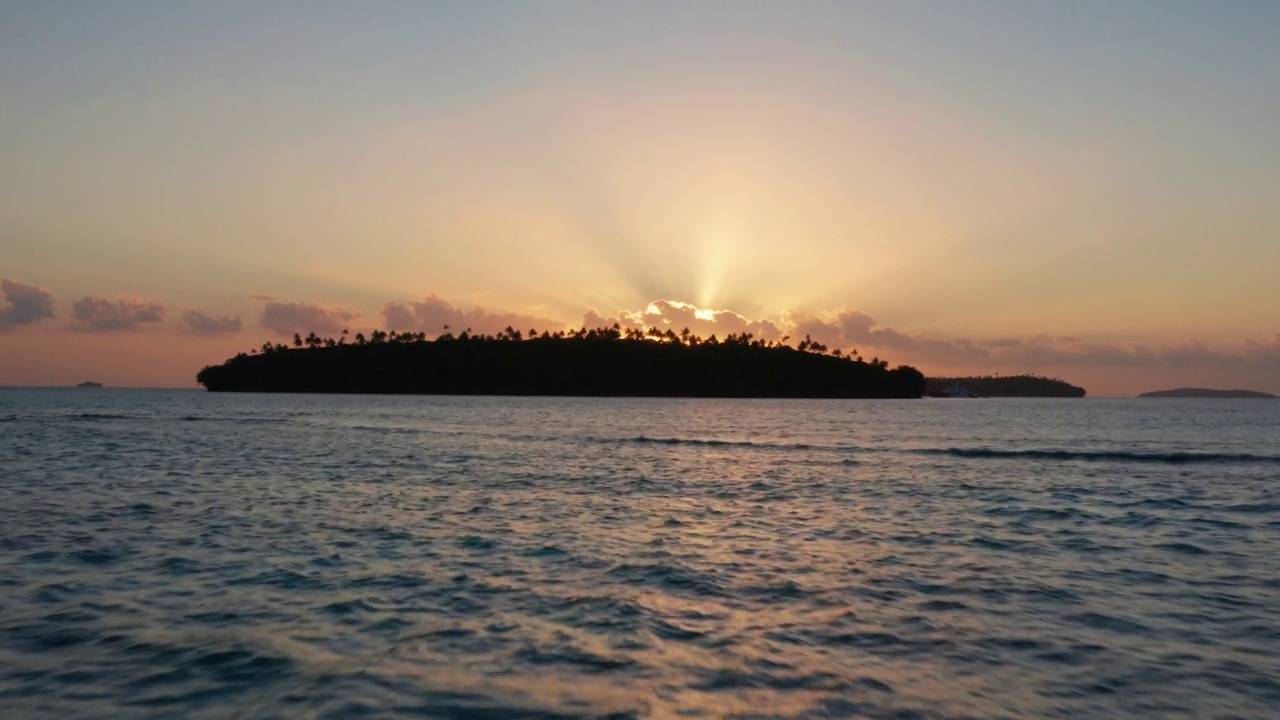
x: 191, y: 555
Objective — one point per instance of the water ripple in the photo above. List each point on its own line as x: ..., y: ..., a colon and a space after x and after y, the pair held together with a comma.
x: 204, y: 556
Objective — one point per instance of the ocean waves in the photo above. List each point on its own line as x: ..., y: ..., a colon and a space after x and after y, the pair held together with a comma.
x: 976, y: 453
x: 1170, y: 458
x: 708, y: 442
x: 554, y: 558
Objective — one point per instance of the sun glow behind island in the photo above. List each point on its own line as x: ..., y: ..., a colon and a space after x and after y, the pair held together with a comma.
x: 958, y: 189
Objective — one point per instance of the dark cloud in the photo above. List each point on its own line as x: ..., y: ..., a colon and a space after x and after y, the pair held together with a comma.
x: 24, y: 304
x: 856, y: 330
x: 1007, y: 342
x: 432, y: 314
x: 94, y: 314
x: 860, y: 329
x: 294, y: 317
x: 203, y: 324
x: 1042, y: 353
x: 1266, y: 354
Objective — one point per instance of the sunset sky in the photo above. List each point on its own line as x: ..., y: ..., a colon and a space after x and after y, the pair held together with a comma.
x: 1088, y: 190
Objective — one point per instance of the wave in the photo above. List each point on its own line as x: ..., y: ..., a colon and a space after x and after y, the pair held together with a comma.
x: 240, y: 420
x: 100, y: 416
x: 385, y: 430
x: 711, y: 442
x: 977, y: 453
x: 1175, y: 458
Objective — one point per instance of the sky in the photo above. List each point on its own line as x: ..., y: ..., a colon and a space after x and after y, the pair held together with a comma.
x: 1086, y: 190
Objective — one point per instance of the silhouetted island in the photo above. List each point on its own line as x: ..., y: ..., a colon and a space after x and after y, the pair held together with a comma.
x: 1007, y: 386
x: 89, y: 384
x: 599, y: 362
x: 1205, y: 393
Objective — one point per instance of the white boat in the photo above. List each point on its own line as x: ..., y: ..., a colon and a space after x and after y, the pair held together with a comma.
x: 957, y: 391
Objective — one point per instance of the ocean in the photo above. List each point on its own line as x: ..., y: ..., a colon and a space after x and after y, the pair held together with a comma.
x: 193, y: 555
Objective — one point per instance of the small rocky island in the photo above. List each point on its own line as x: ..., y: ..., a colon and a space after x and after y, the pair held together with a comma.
x: 1006, y: 386
x: 599, y: 362
x: 1205, y: 393
x: 89, y: 384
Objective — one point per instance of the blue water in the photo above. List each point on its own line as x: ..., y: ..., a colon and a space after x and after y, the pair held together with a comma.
x: 190, y: 555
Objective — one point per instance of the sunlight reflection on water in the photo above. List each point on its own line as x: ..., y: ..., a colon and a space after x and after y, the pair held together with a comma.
x: 195, y: 555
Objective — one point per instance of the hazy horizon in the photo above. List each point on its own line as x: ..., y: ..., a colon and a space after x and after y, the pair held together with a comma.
x: 1082, y: 191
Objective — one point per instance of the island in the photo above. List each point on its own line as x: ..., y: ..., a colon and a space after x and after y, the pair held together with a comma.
x: 1205, y: 393
x: 89, y: 384
x: 1004, y: 386
x: 595, y: 362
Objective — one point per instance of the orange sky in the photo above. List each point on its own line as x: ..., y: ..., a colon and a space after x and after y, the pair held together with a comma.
x: 1086, y: 192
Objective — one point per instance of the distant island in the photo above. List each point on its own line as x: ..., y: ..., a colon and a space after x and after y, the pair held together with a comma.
x: 1005, y: 386
x: 89, y: 384
x: 598, y: 362
x: 1205, y: 393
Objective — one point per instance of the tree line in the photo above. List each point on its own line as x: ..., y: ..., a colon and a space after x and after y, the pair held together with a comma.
x: 1024, y: 385
x: 616, y: 332
x: 585, y: 361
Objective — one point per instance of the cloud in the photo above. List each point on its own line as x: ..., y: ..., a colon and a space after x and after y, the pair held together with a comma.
x: 1263, y: 353
x: 1115, y: 367
x: 95, y: 314
x: 432, y: 314
x: 294, y: 317
x: 676, y: 315
x: 856, y: 330
x: 26, y: 304
x: 203, y: 324
x: 851, y: 329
